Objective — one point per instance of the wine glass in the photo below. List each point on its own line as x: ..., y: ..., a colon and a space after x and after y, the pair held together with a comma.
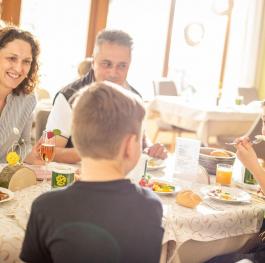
x: 47, y: 150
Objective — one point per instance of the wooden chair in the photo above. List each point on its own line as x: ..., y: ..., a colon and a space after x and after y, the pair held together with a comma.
x: 163, y: 127
x: 248, y: 94
x: 165, y: 87
x: 40, y: 122
x: 42, y: 93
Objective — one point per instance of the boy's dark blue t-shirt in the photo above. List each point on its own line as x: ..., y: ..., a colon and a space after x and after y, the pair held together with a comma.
x: 113, y: 221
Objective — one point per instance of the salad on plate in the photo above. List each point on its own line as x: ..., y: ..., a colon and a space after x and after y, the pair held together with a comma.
x: 159, y: 186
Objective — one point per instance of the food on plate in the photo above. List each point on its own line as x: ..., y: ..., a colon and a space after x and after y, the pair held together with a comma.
x: 222, y: 195
x: 220, y: 153
x: 163, y: 187
x: 188, y: 199
x: 159, y: 187
x: 152, y: 163
x: 3, y: 196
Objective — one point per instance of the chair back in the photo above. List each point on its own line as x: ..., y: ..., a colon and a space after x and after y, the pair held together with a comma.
x: 40, y: 122
x: 165, y: 87
x: 42, y: 93
x: 248, y: 94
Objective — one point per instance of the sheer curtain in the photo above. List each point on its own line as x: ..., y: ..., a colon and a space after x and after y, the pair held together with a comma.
x: 146, y: 21
x: 244, y: 46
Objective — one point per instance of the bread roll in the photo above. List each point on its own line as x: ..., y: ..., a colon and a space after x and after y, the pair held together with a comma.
x: 16, y: 177
x: 220, y: 153
x: 188, y: 199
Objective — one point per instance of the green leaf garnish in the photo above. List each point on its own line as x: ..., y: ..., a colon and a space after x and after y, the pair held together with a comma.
x: 57, y: 132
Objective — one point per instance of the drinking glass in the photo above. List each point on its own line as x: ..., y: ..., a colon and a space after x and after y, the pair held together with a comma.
x: 239, y: 100
x: 47, y: 151
x: 224, y: 174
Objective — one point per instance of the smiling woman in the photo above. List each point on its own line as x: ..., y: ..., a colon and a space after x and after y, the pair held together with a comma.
x: 19, y: 52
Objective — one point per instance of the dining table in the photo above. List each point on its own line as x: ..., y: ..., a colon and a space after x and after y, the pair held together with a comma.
x: 205, y: 119
x: 190, y: 235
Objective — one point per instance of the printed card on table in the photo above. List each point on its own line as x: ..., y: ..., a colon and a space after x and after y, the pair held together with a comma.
x: 187, y: 158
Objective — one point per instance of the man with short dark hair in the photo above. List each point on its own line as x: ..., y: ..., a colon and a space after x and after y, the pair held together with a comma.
x: 111, y: 61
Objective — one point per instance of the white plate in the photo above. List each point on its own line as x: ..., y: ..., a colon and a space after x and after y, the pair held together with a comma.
x: 155, y: 164
x: 10, y: 194
x: 237, y: 194
x: 168, y: 181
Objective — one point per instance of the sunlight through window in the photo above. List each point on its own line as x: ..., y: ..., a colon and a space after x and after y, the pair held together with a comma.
x: 61, y: 27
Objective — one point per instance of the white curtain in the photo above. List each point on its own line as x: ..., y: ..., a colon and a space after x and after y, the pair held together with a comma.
x: 244, y: 45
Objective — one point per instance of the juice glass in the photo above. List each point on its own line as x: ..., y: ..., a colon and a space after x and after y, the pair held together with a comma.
x: 224, y: 174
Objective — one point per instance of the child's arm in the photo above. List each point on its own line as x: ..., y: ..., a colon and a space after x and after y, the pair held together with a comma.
x: 248, y: 157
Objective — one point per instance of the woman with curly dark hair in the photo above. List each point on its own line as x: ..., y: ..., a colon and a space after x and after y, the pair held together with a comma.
x: 19, y: 51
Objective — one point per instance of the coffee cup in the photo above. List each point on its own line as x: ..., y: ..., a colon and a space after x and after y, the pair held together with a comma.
x: 62, y: 175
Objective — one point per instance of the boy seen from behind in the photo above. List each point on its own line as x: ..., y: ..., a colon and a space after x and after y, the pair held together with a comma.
x: 103, y: 217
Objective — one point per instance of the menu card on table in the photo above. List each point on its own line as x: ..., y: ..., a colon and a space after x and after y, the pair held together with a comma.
x: 187, y: 158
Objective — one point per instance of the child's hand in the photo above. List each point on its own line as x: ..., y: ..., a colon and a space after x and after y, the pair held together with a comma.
x: 246, y: 154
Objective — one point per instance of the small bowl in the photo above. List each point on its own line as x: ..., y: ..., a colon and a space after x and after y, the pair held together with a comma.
x: 210, y: 162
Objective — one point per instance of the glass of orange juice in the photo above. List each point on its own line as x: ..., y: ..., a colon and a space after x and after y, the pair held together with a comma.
x: 223, y: 174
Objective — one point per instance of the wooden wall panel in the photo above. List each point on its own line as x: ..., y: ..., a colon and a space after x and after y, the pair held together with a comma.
x: 11, y: 11
x: 169, y: 35
x: 97, y: 21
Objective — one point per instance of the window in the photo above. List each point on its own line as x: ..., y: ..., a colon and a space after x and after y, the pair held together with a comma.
x: 197, y: 52
x: 61, y: 27
x: 200, y: 65
x: 146, y: 21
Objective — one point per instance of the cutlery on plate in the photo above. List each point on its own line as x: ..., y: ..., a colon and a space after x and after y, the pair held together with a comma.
x: 214, y: 207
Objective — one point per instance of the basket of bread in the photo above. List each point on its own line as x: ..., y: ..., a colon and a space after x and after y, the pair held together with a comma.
x: 210, y: 157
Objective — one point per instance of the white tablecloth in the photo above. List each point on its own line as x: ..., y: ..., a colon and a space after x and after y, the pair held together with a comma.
x: 181, y: 224
x: 235, y: 222
x: 203, y: 119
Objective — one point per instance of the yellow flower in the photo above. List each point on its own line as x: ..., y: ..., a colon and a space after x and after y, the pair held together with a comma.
x: 12, y: 158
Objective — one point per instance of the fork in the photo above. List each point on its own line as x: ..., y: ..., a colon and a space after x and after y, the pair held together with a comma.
x: 214, y: 207
x: 256, y: 141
